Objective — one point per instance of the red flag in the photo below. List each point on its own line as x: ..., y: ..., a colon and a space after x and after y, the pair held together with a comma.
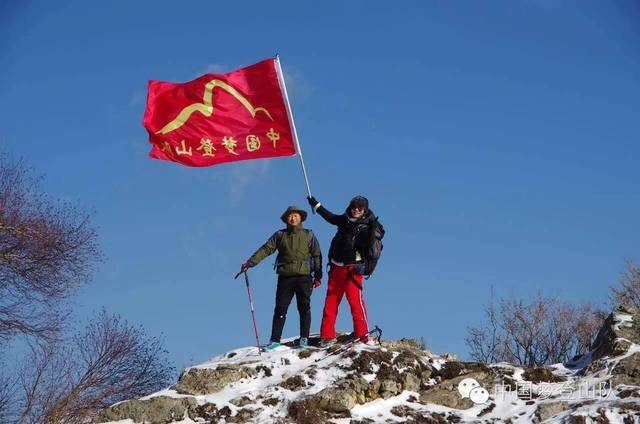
x: 219, y: 118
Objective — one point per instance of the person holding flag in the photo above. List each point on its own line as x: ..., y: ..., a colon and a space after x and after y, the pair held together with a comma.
x: 348, y: 266
x: 244, y: 114
x: 299, y: 257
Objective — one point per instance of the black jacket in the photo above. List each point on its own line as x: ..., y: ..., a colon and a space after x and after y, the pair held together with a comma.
x: 352, y: 235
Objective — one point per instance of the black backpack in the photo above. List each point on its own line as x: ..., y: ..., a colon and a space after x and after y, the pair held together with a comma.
x: 374, y: 249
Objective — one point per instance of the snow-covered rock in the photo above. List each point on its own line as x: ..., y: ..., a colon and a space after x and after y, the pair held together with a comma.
x: 398, y: 381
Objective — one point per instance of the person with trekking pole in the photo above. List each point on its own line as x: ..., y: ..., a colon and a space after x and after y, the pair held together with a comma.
x: 299, y: 258
x: 350, y: 259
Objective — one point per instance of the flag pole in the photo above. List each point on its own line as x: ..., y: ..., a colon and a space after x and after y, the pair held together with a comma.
x: 293, y: 125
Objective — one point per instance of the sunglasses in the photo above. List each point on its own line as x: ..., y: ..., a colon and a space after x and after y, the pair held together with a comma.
x: 359, y: 208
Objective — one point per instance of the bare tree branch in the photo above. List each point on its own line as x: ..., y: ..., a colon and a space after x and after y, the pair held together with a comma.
x: 46, y: 251
x: 109, y: 362
x: 541, y: 332
x: 627, y: 293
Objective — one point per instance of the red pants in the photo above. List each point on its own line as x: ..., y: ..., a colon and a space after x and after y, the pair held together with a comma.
x: 344, y: 280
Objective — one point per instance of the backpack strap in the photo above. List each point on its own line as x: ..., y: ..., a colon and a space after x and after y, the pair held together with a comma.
x: 279, y: 235
x: 310, y: 237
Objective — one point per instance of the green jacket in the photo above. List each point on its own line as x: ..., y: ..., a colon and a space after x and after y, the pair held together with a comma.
x: 298, y: 252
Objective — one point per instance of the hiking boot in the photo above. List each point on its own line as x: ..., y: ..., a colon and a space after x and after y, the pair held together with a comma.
x: 327, y: 342
x: 303, y: 342
x: 272, y: 345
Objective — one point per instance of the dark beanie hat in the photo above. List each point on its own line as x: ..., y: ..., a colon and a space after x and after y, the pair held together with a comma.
x: 359, y: 201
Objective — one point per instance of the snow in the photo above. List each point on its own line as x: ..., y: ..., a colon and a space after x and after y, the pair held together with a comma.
x: 622, y: 320
x: 285, y: 362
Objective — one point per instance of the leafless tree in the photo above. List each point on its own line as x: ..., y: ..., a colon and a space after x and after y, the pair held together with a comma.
x: 7, y: 394
x: 487, y: 343
x: 541, y: 332
x: 109, y: 362
x: 627, y: 293
x: 46, y: 250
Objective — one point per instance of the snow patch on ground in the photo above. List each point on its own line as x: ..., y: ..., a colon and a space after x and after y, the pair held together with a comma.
x: 622, y: 320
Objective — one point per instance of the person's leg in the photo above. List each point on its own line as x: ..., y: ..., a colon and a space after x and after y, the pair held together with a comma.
x: 354, y: 292
x: 284, y: 294
x: 303, y: 287
x: 335, y: 291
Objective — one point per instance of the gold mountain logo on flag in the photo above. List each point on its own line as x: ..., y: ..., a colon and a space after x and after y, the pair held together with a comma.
x: 206, y: 107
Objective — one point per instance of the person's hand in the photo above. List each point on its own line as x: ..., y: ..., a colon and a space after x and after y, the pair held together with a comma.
x: 245, y: 266
x: 312, y: 201
x: 316, y: 283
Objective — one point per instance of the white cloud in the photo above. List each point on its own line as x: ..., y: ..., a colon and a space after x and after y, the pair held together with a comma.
x: 297, y: 85
x: 138, y: 98
x: 216, y: 68
x: 246, y: 173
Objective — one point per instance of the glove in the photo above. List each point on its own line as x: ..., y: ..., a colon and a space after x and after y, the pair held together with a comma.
x: 312, y: 201
x: 316, y: 283
x: 245, y: 266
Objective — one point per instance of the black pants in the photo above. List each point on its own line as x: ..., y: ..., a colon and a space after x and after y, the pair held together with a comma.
x: 301, y: 286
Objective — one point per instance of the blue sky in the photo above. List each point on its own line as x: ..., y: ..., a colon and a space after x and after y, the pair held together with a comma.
x: 497, y: 141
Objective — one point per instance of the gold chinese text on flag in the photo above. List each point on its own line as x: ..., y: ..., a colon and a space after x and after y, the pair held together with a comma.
x: 219, y: 118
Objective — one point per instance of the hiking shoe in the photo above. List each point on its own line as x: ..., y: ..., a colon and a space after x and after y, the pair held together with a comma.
x: 272, y: 345
x: 303, y: 342
x: 327, y: 342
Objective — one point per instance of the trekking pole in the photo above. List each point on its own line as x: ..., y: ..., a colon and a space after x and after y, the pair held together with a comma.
x: 253, y: 313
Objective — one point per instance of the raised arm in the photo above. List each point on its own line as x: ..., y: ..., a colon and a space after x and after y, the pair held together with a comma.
x: 328, y: 216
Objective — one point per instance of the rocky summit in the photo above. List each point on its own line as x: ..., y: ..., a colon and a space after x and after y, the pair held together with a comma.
x: 400, y: 382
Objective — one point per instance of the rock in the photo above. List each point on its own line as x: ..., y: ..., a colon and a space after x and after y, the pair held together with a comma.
x: 389, y: 388
x: 547, y: 410
x: 410, y: 382
x: 307, y: 411
x: 620, y: 330
x: 364, y: 363
x: 373, y: 390
x: 208, y: 411
x: 453, y: 369
x: 626, y: 393
x: 359, y: 386
x: 608, y: 343
x: 241, y: 401
x: 415, y: 345
x: 336, y: 400
x: 244, y: 415
x: 448, y: 398
x: 541, y: 374
x: 294, y: 383
x: 620, y: 347
x: 446, y: 392
x: 202, y: 381
x: 157, y: 410
x: 627, y: 371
